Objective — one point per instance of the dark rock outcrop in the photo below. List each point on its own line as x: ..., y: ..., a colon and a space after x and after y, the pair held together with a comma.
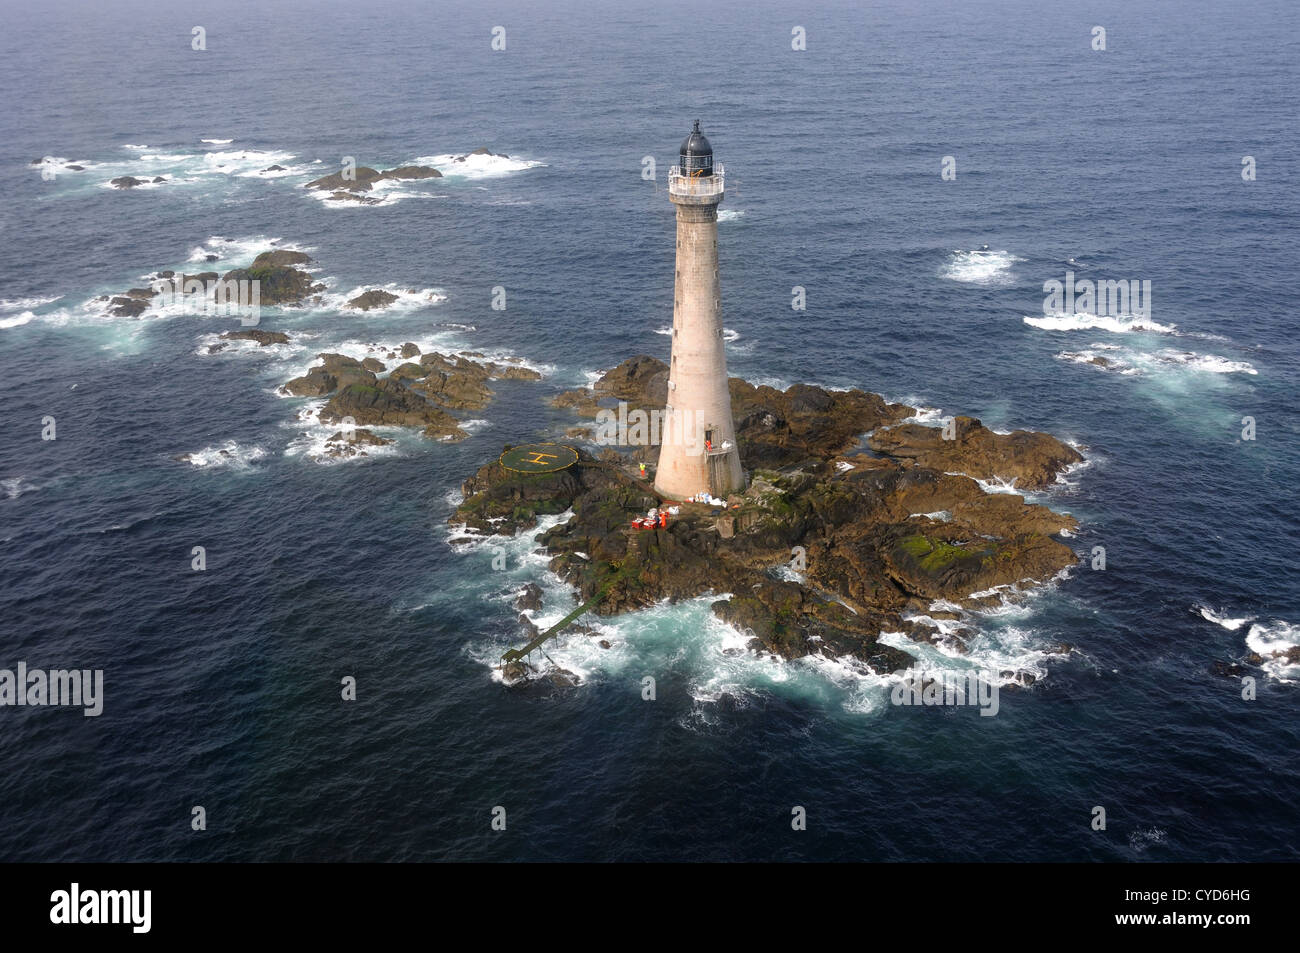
x: 412, y: 172
x: 372, y: 299
x: 1030, y: 459
x: 334, y: 371
x: 263, y: 338
x: 529, y: 598
x: 364, y: 179
x: 342, y: 444
x: 279, y: 282
x: 388, y: 402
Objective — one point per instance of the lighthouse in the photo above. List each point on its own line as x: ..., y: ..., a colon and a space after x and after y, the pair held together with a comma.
x: 698, y: 451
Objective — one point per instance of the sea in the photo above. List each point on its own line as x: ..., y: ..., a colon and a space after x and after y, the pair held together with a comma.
x: 921, y: 170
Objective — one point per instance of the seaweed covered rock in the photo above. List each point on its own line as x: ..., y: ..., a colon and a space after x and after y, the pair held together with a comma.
x: 279, y: 281
x: 1032, y: 460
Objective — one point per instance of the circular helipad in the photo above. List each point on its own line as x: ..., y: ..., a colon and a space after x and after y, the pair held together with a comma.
x: 539, y: 458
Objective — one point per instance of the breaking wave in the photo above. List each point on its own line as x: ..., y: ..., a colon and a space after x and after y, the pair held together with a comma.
x: 981, y: 267
x: 1082, y: 321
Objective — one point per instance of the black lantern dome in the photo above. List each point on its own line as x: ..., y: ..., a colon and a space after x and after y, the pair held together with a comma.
x: 697, y: 154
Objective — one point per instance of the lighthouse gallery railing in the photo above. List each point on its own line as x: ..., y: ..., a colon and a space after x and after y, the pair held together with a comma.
x: 696, y: 184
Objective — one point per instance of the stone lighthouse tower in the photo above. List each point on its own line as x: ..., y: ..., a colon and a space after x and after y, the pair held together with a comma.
x: 698, y: 449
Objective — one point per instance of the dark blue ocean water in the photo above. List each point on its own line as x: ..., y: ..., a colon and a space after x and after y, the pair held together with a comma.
x: 222, y: 687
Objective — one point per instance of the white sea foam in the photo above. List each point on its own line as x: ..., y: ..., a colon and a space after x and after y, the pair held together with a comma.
x: 995, y: 484
x: 1082, y: 321
x: 408, y: 299
x: 1221, y: 618
x: 230, y: 455
x: 51, y: 167
x: 17, y: 320
x: 997, y: 649
x: 313, y: 441
x: 776, y: 383
x: 26, y: 304
x: 382, y: 193
x: 240, y: 252
x: 1267, y: 638
x: 730, y: 214
x: 1113, y: 363
x: 272, y: 172
x: 981, y: 267
x: 235, y: 161
x: 923, y: 415
x: 185, y: 168
x: 15, y: 487
x: 1140, y: 840
x: 478, y: 166
x: 242, y: 347
x: 1131, y: 362
x: 217, y: 142
x: 1206, y: 363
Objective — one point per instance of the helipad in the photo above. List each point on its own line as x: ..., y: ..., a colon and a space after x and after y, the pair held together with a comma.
x: 539, y: 457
